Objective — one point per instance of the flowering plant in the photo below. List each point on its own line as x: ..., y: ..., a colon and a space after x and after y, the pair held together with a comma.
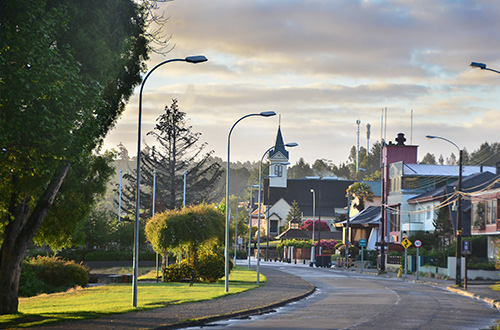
x: 308, y: 225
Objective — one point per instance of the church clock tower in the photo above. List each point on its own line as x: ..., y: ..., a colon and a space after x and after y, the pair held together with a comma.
x: 277, y: 156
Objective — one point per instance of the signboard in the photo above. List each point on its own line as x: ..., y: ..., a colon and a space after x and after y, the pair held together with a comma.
x: 362, y: 243
x: 466, y: 247
x: 418, y: 243
x: 406, y: 243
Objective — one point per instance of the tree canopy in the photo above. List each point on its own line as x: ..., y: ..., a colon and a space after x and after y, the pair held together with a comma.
x: 68, y: 69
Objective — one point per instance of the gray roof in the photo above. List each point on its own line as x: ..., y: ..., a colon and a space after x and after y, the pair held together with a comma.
x: 369, y: 216
x: 443, y: 170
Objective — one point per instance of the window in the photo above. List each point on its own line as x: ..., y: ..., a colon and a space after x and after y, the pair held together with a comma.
x: 395, y: 219
x: 410, y: 183
x: 491, y: 212
x: 274, y: 226
x: 278, y: 170
x: 429, y: 212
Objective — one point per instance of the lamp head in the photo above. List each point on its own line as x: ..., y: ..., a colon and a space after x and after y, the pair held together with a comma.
x: 312, y: 190
x: 285, y: 163
x: 255, y: 186
x: 196, y: 59
x: 482, y: 66
x: 430, y: 137
x: 291, y: 144
x: 268, y: 113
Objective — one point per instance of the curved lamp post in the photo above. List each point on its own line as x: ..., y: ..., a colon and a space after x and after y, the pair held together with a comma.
x: 189, y: 59
x: 226, y: 250
x: 290, y: 145
x: 458, y: 252
x: 482, y: 66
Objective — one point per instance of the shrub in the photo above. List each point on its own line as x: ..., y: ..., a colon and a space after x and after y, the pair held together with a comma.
x: 211, y: 267
x: 353, y: 250
x: 328, y: 245
x: 179, y: 271
x: 59, y: 272
x: 50, y: 274
x: 241, y: 254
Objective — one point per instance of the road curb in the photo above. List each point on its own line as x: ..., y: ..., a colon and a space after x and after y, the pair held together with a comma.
x: 492, y: 302
x: 239, y: 314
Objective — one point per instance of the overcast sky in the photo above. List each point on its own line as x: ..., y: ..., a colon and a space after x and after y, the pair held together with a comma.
x: 322, y: 65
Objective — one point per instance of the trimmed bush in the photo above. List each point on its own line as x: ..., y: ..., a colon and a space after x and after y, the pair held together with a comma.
x: 178, y: 272
x: 49, y: 275
x: 211, y: 267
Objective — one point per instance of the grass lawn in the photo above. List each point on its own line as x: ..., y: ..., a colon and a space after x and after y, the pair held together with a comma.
x: 496, y: 287
x: 78, y: 304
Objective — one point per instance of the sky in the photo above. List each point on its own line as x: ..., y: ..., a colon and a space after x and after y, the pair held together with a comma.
x: 321, y: 65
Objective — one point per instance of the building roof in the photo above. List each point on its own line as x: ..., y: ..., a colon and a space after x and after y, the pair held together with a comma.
x: 376, y: 187
x: 330, y: 195
x: 472, y: 183
x: 443, y: 170
x: 370, y: 216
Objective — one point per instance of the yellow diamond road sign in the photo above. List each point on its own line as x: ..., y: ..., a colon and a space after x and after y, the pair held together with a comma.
x: 406, y: 243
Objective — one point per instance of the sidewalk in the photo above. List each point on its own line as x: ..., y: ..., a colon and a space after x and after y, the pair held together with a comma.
x: 477, y: 289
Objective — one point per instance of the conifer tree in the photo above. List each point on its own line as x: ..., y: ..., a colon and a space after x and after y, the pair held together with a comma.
x: 177, y: 152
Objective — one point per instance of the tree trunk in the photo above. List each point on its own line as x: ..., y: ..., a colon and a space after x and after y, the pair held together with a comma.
x: 18, y: 234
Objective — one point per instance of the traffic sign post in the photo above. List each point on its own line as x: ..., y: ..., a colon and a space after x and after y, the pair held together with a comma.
x: 466, y: 250
x: 362, y: 244
x: 406, y: 243
x: 418, y: 244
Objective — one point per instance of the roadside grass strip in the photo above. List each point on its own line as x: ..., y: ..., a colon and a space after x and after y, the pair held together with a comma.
x: 93, y: 302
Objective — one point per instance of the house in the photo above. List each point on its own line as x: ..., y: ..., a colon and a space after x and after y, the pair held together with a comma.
x: 425, y: 206
x: 405, y: 179
x: 486, y: 216
x: 364, y: 225
x: 329, y: 205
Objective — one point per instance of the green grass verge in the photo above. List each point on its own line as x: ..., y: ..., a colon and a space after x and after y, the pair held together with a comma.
x: 92, y: 302
x: 496, y: 287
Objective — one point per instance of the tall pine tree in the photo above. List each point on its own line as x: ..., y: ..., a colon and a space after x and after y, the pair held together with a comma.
x: 177, y: 152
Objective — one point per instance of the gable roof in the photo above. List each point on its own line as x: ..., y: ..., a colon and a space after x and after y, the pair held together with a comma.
x: 370, y: 216
x: 330, y: 195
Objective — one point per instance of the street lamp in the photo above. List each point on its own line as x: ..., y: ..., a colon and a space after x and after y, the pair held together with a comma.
x: 226, y: 250
x: 458, y: 252
x: 481, y: 66
x: 189, y: 59
x: 313, y: 254
x: 290, y: 145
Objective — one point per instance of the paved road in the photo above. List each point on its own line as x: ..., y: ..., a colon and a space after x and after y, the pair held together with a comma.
x: 348, y: 300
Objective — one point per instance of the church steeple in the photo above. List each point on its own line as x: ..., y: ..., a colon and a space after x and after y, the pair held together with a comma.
x: 277, y: 156
x: 279, y: 146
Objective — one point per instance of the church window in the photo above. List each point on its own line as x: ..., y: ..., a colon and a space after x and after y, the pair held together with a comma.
x: 278, y: 170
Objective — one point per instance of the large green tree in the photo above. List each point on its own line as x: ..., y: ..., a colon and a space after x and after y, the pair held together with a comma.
x: 67, y: 70
x: 177, y: 153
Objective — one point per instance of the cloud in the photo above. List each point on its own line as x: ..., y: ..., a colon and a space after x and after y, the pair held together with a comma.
x: 322, y: 65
